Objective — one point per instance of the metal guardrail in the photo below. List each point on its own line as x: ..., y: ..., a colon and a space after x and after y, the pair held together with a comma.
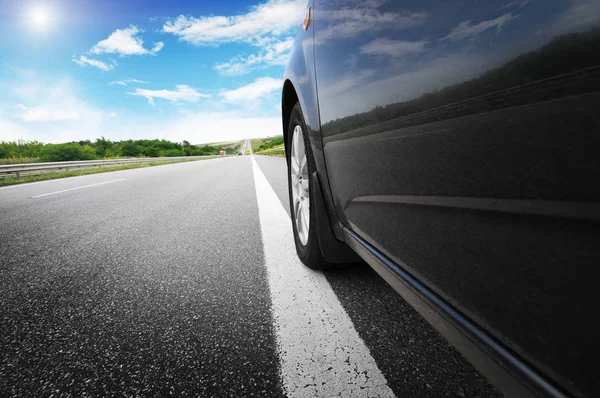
x: 18, y: 170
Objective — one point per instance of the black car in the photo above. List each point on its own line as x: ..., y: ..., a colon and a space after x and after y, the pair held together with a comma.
x: 453, y: 145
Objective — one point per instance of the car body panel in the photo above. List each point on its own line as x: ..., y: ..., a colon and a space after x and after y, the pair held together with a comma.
x: 460, y: 139
x: 299, y: 76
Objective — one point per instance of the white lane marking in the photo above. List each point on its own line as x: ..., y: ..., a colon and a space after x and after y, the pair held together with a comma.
x: 73, y: 189
x: 320, y: 351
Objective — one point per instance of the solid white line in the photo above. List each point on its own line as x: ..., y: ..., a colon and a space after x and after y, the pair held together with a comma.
x: 73, y: 189
x: 320, y: 351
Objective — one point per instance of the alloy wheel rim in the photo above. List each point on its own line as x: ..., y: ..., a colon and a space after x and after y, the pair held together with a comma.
x: 300, y: 185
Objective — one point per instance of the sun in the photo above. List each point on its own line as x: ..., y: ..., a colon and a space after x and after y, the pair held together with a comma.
x: 41, y: 17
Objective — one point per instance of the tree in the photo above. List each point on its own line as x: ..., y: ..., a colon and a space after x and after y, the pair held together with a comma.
x: 152, y: 152
x: 67, y: 152
x: 102, y: 145
x: 129, y: 149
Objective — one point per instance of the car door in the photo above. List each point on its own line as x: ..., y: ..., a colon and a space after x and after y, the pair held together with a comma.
x: 460, y: 140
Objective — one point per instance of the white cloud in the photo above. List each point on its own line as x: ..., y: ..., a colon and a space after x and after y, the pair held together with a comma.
x: 276, y: 53
x: 183, y: 93
x: 273, y: 18
x: 205, y: 127
x: 350, y: 22
x: 465, y: 29
x: 158, y: 46
x: 124, y: 82
x: 12, y: 131
x: 45, y: 114
x: 83, y: 61
x: 50, y: 109
x: 125, y: 42
x: 393, y: 48
x: 582, y: 15
x: 518, y: 3
x: 253, y: 91
x: 268, y: 26
x: 225, y: 122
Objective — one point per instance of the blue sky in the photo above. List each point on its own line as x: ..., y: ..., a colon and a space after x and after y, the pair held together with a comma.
x: 202, y: 71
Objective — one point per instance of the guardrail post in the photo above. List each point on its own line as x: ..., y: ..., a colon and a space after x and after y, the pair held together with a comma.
x: 18, y: 174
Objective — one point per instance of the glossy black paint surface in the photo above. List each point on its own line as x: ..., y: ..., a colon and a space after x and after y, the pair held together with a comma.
x: 300, y: 85
x: 461, y: 138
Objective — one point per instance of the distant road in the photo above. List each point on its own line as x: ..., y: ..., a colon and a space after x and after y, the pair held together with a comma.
x: 246, y: 146
x: 182, y: 280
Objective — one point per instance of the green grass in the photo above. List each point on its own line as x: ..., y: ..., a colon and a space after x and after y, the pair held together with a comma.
x: 230, y: 147
x: 279, y: 152
x: 62, y: 174
x: 256, y: 142
x: 263, y: 144
x: 17, y: 160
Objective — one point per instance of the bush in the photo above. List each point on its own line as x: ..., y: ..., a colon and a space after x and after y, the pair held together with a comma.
x: 152, y: 152
x: 270, y: 143
x: 67, y: 152
x: 173, y: 152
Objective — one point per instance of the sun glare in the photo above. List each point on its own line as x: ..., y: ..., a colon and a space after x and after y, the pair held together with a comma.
x: 40, y: 17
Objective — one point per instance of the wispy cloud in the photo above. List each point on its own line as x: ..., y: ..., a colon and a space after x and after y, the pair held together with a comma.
x: 124, y: 82
x: 517, y: 3
x: 45, y: 114
x: 125, y: 42
x: 272, y: 18
x: 182, y: 93
x: 582, y: 14
x: 269, y: 26
x: 466, y: 29
x: 253, y: 91
x: 276, y: 53
x: 350, y: 22
x: 50, y: 109
x: 393, y: 48
x: 83, y: 61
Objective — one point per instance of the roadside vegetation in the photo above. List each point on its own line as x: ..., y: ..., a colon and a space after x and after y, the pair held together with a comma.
x: 21, y: 151
x: 272, y: 146
x: 230, y: 147
x: 72, y: 173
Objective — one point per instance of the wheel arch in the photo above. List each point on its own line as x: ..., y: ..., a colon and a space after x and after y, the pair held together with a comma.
x: 289, y: 97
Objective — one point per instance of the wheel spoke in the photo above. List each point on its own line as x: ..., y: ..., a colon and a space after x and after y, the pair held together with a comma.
x: 297, y: 205
x: 305, y: 215
x: 303, y: 166
x: 299, y: 219
x: 296, y: 143
x: 300, y: 145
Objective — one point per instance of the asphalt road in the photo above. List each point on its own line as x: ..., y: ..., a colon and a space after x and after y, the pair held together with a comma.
x: 163, y: 281
x: 246, y: 146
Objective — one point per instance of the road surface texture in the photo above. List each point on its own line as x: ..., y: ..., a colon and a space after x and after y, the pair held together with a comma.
x: 182, y: 280
x: 246, y: 147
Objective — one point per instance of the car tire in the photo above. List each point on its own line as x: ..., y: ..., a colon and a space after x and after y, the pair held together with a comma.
x: 300, y: 188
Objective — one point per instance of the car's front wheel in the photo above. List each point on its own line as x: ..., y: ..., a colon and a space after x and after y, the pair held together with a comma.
x: 301, y: 166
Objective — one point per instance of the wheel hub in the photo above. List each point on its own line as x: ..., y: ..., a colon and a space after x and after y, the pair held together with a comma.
x: 300, y: 185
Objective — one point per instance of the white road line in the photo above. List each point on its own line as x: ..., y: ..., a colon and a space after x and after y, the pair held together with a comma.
x: 320, y: 351
x: 73, y: 189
